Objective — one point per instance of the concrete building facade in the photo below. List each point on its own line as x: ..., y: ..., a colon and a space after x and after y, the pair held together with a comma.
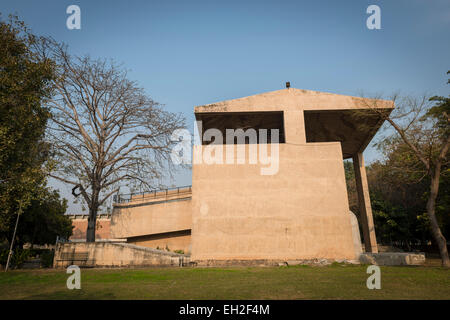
x: 235, y: 212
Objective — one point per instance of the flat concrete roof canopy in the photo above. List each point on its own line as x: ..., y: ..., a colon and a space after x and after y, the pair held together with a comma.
x: 353, y: 129
x: 325, y: 117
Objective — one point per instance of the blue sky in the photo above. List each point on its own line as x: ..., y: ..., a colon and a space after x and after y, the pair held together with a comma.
x: 187, y: 53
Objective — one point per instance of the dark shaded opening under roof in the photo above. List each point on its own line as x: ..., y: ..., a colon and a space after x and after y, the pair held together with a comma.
x: 354, y: 129
x: 244, y: 121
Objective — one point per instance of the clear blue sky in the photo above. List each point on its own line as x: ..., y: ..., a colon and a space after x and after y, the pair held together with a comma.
x: 187, y: 53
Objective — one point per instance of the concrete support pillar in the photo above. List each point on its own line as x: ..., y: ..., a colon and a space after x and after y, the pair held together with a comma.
x: 294, y: 127
x: 365, y: 208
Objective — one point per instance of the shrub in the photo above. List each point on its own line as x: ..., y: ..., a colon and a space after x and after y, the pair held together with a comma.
x: 47, y: 258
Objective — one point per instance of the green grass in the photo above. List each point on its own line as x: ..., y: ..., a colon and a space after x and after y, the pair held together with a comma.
x: 297, y: 282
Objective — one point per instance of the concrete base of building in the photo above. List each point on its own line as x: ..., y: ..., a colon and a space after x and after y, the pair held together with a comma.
x: 110, y: 254
x: 393, y: 258
x: 267, y: 262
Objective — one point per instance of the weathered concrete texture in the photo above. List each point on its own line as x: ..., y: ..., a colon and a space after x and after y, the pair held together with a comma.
x: 299, y: 213
x: 393, y: 258
x: 355, y: 235
x: 106, y: 254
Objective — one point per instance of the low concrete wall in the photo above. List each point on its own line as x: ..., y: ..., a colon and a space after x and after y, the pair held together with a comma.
x: 393, y: 258
x: 107, y: 254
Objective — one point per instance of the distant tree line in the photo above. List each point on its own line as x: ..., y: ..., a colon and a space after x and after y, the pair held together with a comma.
x: 399, y: 205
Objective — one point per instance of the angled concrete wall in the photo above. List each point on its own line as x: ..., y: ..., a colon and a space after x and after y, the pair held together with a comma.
x: 155, y: 223
x: 144, y: 219
x: 171, y: 241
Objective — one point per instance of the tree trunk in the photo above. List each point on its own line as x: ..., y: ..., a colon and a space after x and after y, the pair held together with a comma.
x: 90, y: 232
x: 93, y: 209
x: 436, y: 231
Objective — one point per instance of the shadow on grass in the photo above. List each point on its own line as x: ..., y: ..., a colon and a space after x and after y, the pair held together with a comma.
x: 72, y: 295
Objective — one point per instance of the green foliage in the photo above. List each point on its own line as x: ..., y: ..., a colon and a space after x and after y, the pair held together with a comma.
x: 399, y: 191
x: 441, y: 112
x: 3, y: 256
x: 351, y: 187
x: 21, y: 255
x: 392, y: 222
x: 17, y: 259
x: 47, y: 258
x: 25, y: 82
x: 44, y: 219
x: 179, y: 251
x: 25, y: 85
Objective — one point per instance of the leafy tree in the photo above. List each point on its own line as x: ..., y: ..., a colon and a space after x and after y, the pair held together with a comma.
x: 398, y: 202
x: 44, y: 219
x: 25, y: 82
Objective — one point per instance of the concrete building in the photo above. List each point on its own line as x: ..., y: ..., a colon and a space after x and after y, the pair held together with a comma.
x: 235, y: 212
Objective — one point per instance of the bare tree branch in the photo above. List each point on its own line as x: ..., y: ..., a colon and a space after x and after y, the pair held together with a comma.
x: 105, y: 130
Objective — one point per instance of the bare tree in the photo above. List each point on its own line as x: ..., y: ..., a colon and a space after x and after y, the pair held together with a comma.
x: 106, y: 132
x: 424, y: 128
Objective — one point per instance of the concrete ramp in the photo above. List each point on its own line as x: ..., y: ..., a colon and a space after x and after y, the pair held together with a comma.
x: 108, y: 254
x: 155, y: 220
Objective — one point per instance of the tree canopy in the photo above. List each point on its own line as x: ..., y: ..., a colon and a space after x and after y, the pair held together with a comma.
x: 25, y: 84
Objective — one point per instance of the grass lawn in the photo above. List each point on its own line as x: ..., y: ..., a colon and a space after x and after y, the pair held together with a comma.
x: 296, y: 282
